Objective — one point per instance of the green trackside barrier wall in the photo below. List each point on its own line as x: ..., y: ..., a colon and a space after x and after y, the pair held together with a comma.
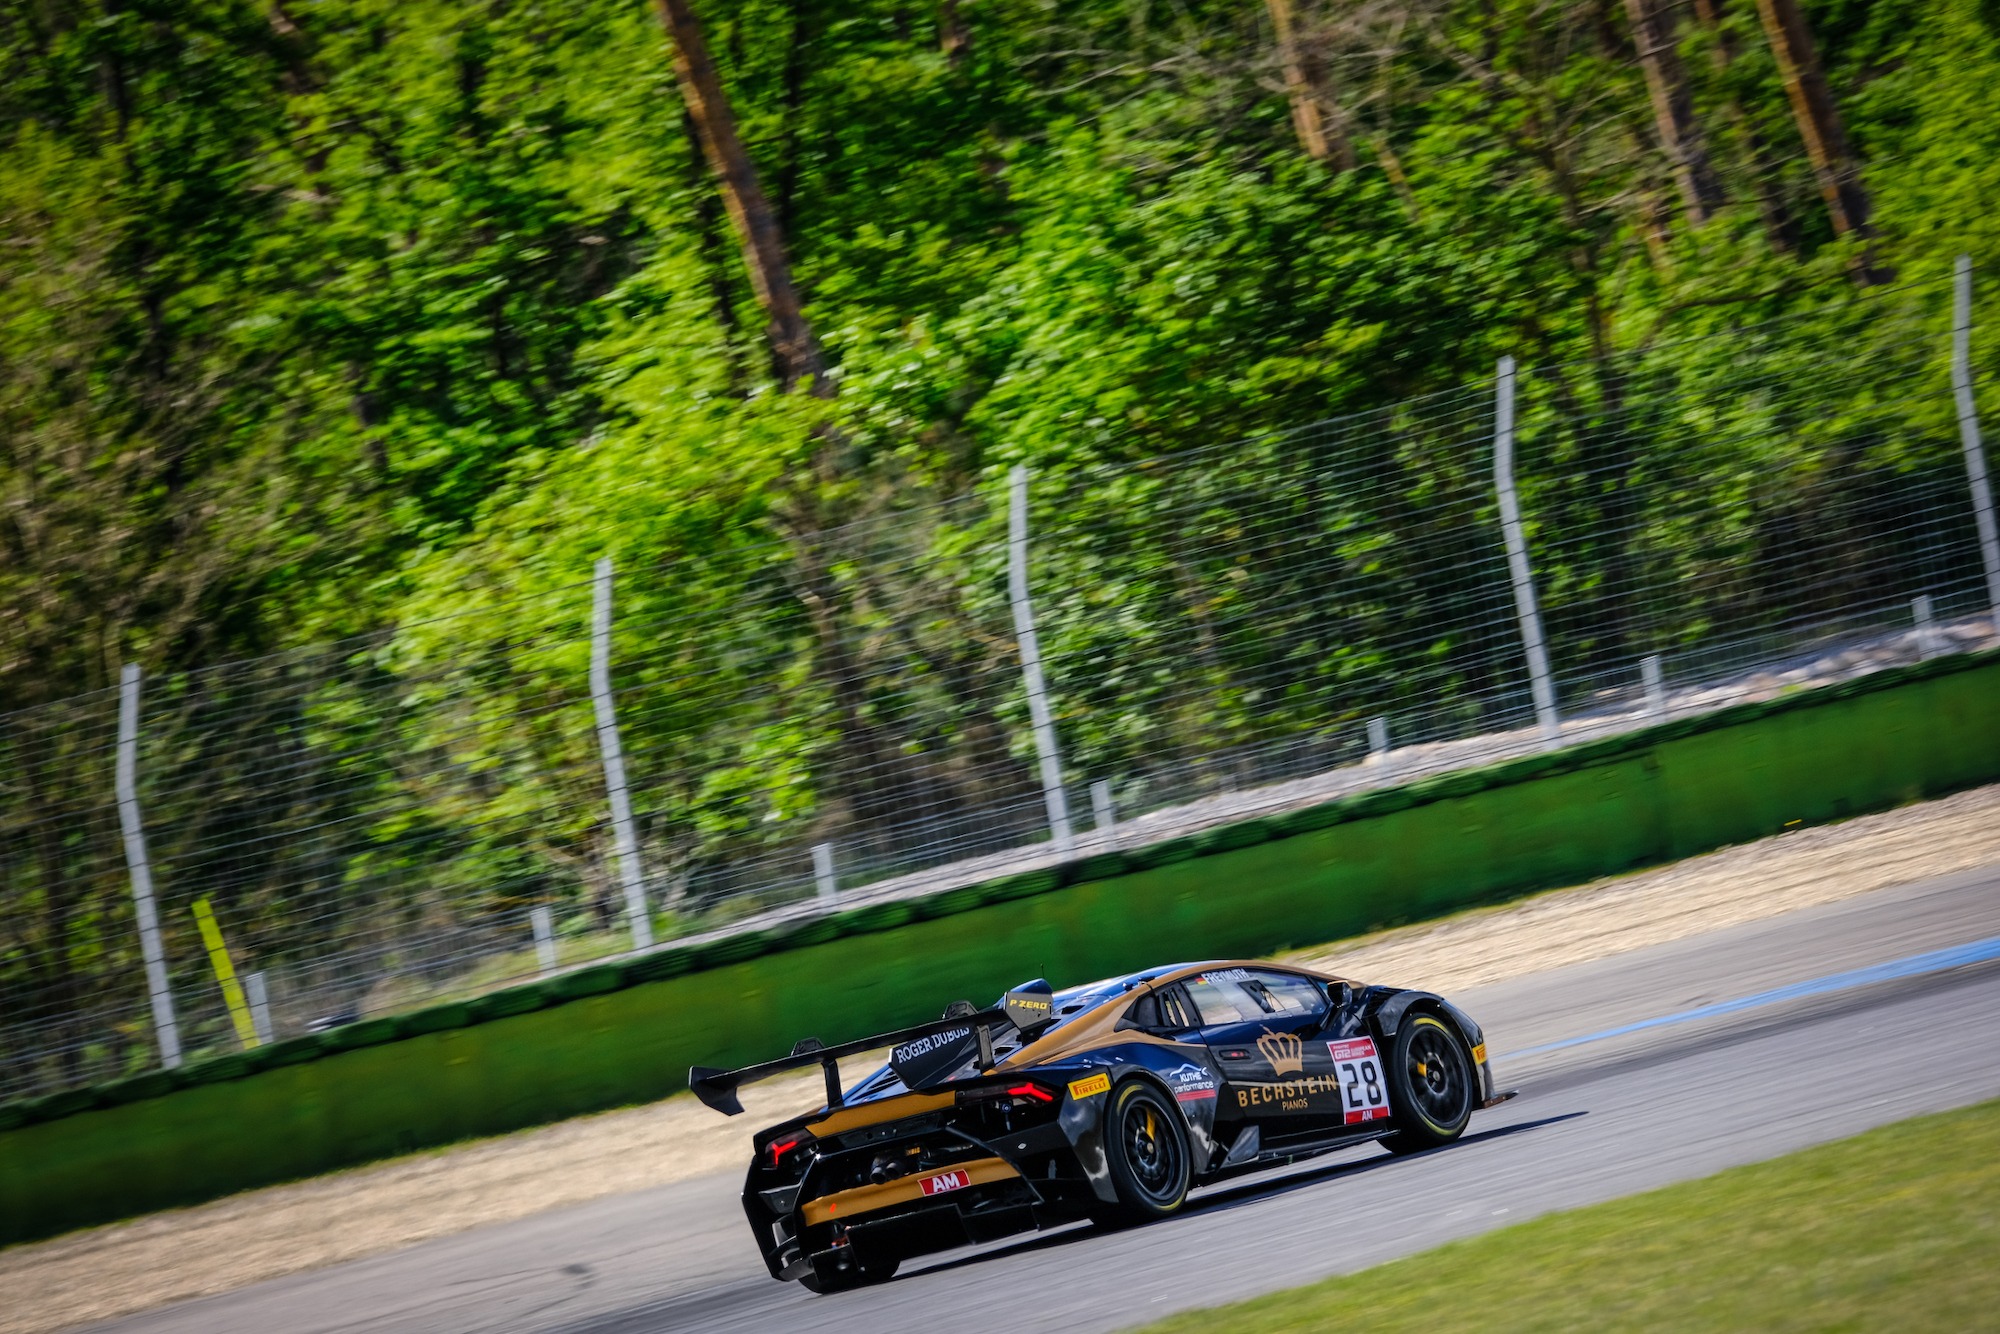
x: 625, y: 1033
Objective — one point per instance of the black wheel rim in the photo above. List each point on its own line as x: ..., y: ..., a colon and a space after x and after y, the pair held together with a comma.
x: 1152, y: 1149
x: 1439, y: 1080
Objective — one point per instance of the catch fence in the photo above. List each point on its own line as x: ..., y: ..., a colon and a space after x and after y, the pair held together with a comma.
x: 665, y: 751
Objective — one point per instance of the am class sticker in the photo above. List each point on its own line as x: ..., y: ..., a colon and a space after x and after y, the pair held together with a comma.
x: 945, y: 1181
x: 1086, y: 1088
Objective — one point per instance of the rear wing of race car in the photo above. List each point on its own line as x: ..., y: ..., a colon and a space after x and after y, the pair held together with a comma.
x: 919, y: 1055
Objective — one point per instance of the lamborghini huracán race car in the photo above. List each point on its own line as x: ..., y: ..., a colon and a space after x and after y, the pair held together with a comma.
x: 1108, y: 1101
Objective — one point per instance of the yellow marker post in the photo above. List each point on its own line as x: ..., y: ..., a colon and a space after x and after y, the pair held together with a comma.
x: 225, y: 973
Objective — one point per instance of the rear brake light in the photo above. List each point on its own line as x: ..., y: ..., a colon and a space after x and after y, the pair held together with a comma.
x: 779, y: 1148
x: 1035, y: 1091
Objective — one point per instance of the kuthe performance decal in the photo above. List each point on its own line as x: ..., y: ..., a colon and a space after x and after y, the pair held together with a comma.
x: 1191, y: 1083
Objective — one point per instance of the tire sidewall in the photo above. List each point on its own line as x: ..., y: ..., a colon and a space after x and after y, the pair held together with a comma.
x: 1134, y: 1203
x: 1414, y: 1125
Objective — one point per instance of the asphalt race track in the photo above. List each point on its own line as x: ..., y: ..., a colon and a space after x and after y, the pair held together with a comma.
x: 1595, y: 1120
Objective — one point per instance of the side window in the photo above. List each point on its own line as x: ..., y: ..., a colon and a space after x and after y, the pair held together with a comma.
x: 1251, y: 995
x: 1163, y: 1009
x: 1286, y: 994
x: 1221, y: 999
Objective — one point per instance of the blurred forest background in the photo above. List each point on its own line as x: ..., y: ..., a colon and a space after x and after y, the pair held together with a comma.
x: 372, y: 323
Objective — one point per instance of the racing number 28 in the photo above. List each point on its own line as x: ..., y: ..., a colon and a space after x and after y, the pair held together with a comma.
x: 1356, y: 1074
x: 1363, y: 1096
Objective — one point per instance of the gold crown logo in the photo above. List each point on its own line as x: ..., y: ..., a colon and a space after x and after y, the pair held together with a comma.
x: 1284, y: 1051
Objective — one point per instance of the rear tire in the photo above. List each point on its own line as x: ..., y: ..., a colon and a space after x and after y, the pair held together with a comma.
x: 1430, y: 1083
x: 853, y: 1276
x: 1147, y: 1152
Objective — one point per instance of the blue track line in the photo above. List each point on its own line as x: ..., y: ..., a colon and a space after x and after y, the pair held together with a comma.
x: 1936, y: 961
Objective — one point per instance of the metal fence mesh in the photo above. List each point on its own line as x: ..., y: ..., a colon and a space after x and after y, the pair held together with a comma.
x: 1226, y: 631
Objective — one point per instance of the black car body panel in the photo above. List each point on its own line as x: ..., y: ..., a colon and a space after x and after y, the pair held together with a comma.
x: 991, y: 1122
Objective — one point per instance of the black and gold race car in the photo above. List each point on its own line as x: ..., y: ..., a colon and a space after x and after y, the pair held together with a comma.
x: 1108, y: 1102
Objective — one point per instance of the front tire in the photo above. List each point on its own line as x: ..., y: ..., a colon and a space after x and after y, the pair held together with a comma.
x: 1430, y: 1081
x: 1147, y: 1152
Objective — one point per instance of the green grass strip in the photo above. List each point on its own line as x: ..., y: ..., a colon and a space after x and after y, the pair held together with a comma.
x: 1898, y: 1228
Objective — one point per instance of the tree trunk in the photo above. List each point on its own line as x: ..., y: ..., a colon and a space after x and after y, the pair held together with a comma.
x: 1315, y: 117
x: 1392, y: 167
x: 1757, y: 159
x: 954, y: 38
x: 794, y: 350
x: 875, y: 782
x: 712, y: 244
x: 790, y: 160
x: 1819, y: 125
x: 1653, y: 32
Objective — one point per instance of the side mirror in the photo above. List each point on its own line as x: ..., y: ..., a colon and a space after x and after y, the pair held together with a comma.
x: 1339, y: 997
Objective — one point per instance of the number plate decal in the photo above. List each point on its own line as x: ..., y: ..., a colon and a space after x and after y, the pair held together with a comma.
x: 1364, y: 1089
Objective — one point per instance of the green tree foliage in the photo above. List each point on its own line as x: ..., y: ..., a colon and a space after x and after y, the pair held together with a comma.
x: 376, y: 323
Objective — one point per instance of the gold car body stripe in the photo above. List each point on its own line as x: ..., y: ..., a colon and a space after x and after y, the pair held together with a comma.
x: 845, y: 1204
x: 1099, y: 1027
x: 875, y: 1113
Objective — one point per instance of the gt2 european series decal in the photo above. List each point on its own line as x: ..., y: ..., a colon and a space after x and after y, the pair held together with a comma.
x: 1364, y: 1093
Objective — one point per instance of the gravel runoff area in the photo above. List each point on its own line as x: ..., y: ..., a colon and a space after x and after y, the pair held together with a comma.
x: 216, y: 1247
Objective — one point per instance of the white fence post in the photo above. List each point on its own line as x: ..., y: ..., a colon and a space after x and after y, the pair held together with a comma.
x: 1104, y: 815
x: 1517, y: 560
x: 544, y: 926
x: 823, y: 877
x: 1920, y: 616
x: 1656, y: 691
x: 1968, y: 434
x: 260, y: 1005
x: 1053, y: 796
x: 140, y: 869
x: 1378, y: 738
x: 625, y: 842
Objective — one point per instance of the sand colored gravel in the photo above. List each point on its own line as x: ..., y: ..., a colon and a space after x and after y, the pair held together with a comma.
x: 215, y: 1247
x: 261, y: 1234
x: 1746, y: 883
